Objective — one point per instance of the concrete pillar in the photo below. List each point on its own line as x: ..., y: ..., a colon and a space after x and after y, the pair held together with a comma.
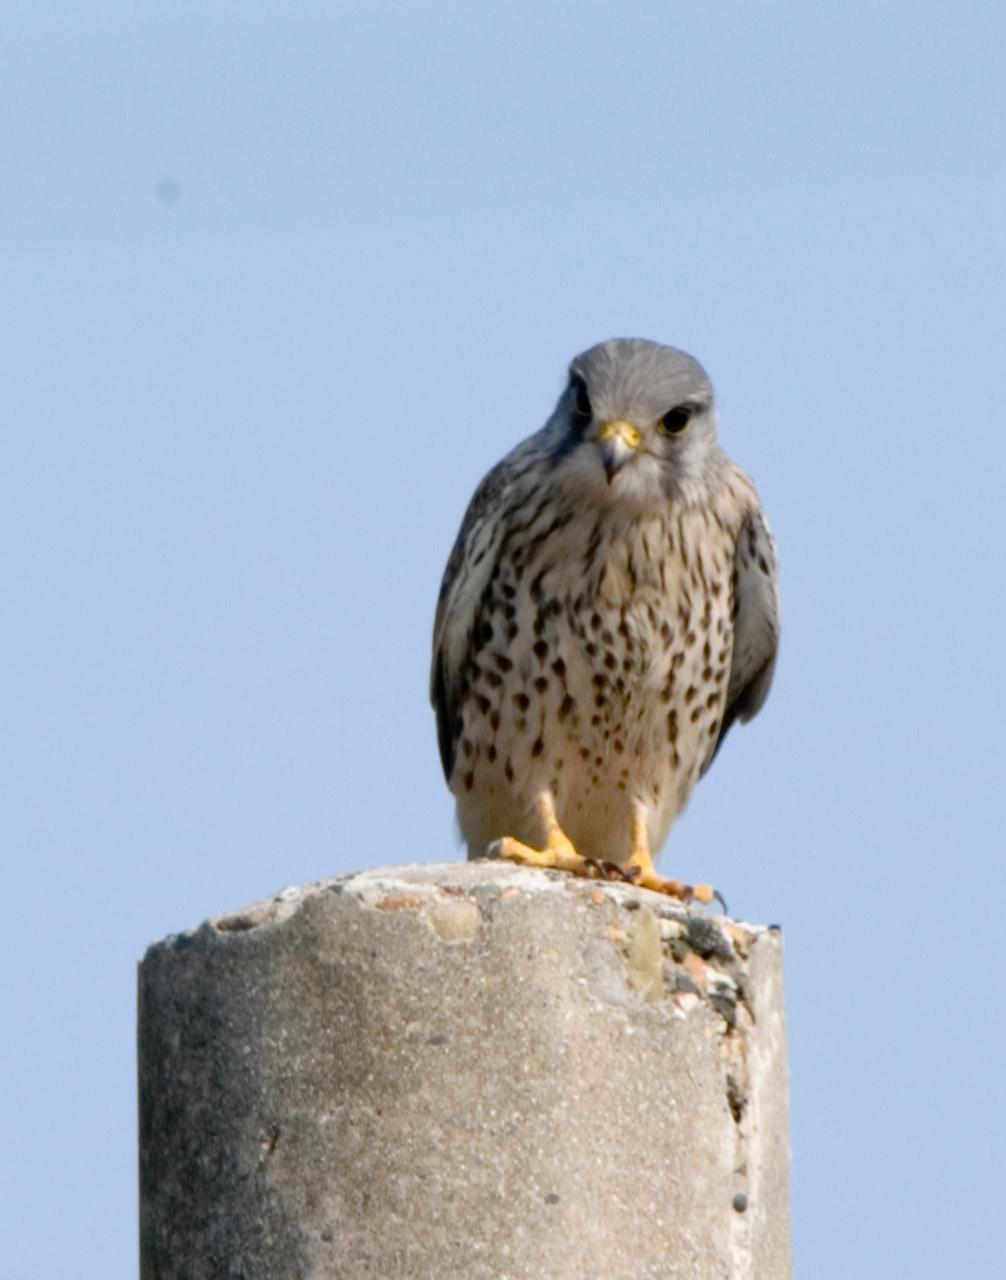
x: 473, y: 1071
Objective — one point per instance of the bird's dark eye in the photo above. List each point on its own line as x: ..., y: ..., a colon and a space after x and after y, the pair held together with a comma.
x: 676, y: 420
x: 581, y: 400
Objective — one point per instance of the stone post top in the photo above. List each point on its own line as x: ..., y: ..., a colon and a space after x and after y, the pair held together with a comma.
x: 638, y: 945
x: 424, y: 887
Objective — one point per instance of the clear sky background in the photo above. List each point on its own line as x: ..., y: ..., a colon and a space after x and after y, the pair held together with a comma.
x: 279, y: 282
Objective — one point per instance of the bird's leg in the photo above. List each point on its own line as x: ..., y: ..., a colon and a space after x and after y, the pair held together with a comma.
x: 640, y: 869
x: 558, y: 851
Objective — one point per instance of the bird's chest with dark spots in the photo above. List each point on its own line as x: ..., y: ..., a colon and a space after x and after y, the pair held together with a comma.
x: 593, y: 665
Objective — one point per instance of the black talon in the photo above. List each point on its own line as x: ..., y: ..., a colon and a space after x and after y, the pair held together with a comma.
x: 721, y: 900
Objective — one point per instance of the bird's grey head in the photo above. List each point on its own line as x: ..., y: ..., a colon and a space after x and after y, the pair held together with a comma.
x: 635, y: 424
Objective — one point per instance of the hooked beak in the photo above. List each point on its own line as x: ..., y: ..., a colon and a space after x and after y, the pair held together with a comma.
x: 619, y: 440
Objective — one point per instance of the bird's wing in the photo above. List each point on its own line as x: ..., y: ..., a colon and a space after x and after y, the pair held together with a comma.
x: 469, y: 568
x: 756, y: 622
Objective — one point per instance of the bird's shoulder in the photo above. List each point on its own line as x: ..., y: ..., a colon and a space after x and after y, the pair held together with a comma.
x: 499, y: 492
x: 734, y: 498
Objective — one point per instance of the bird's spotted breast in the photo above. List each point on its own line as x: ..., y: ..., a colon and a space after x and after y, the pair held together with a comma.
x: 597, y: 667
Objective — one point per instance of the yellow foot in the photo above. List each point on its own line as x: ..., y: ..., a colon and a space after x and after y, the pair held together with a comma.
x: 640, y: 870
x: 556, y: 855
x: 558, y: 852
x: 704, y: 893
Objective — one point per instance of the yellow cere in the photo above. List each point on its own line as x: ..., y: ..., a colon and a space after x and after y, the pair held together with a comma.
x: 617, y: 427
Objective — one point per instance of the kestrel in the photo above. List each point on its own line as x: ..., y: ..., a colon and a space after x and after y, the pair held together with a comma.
x: 609, y: 609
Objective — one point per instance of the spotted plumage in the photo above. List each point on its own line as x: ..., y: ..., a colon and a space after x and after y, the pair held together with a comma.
x: 609, y: 609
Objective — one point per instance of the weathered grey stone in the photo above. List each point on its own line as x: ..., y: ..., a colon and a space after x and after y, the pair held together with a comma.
x: 474, y: 1070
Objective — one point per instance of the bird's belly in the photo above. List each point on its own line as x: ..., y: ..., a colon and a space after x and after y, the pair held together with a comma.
x: 609, y: 707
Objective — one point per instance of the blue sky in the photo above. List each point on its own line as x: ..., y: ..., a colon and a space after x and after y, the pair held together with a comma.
x: 279, y: 284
